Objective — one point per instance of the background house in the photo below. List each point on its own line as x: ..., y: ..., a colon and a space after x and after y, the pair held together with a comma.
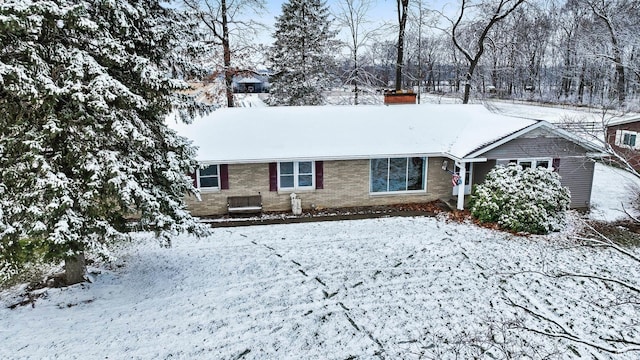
x: 622, y: 135
x: 343, y: 156
x: 249, y: 84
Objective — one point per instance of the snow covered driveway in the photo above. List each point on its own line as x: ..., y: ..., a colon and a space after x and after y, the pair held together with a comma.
x: 393, y: 288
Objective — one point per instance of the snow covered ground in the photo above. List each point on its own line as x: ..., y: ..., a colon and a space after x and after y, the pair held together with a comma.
x: 614, y: 190
x: 394, y: 288
x: 250, y: 100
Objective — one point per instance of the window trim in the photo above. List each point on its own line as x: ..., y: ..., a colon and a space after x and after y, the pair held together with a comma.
x: 535, y: 160
x: 216, y: 188
x: 620, y: 135
x: 296, y: 174
x: 425, y: 163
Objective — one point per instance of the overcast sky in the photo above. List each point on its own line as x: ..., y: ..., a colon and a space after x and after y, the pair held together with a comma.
x: 381, y: 11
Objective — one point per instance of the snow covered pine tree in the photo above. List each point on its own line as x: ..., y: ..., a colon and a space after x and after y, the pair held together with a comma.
x: 302, y: 55
x: 85, y: 87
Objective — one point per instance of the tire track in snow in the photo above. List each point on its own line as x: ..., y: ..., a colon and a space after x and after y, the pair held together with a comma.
x: 329, y: 296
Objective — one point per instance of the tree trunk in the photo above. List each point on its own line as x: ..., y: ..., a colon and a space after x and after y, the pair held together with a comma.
x: 402, y: 22
x: 226, y: 46
x: 74, y: 269
x: 617, y: 59
x: 467, y: 86
x: 356, y: 74
x: 605, y: 14
x: 467, y: 91
x: 620, y: 82
x: 581, y: 84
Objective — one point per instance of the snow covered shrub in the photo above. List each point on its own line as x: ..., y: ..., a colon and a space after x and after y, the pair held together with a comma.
x: 522, y: 200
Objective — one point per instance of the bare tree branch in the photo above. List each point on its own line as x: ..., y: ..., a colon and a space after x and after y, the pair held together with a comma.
x: 564, y: 333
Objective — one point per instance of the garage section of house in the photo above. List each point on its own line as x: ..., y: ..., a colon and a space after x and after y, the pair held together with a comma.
x: 346, y: 156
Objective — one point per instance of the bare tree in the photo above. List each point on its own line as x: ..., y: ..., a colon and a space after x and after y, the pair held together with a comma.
x: 623, y: 291
x: 382, y: 55
x: 222, y: 20
x: 352, y: 14
x: 491, y: 12
x: 420, y: 18
x: 594, y: 48
x: 606, y: 13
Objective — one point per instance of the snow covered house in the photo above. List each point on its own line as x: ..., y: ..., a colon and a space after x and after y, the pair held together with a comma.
x: 250, y: 84
x: 344, y: 156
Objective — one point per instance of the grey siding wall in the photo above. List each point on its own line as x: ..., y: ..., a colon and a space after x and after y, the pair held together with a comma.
x: 480, y: 170
x: 577, y: 175
x: 576, y: 170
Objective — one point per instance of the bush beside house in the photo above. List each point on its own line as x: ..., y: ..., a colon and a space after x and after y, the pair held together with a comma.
x: 521, y: 200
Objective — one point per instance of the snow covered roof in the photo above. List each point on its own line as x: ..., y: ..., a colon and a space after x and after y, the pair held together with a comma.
x: 242, y: 135
x: 630, y: 118
x: 250, y: 80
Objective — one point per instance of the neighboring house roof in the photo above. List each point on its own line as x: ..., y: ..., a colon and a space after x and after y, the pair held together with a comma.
x: 241, y: 135
x: 624, y: 120
x: 250, y: 80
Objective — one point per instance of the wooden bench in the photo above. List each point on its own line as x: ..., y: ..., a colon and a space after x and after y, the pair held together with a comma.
x: 244, y: 204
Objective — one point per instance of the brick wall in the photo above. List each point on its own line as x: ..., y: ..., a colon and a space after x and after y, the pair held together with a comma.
x: 631, y: 155
x: 407, y: 98
x: 346, y: 184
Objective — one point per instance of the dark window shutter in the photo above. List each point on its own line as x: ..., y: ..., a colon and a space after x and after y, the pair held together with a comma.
x: 273, y: 176
x: 319, y: 175
x: 556, y: 164
x: 224, y: 176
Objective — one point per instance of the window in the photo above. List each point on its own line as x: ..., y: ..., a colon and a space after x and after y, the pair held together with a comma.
x: 397, y: 174
x: 535, y: 163
x: 296, y: 175
x: 208, y: 177
x: 626, y: 138
x: 629, y: 139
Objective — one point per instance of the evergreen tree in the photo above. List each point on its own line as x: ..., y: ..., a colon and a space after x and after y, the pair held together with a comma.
x: 302, y: 55
x: 85, y: 87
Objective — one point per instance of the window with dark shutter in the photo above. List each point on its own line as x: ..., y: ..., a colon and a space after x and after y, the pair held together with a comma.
x: 209, y: 177
x: 556, y: 164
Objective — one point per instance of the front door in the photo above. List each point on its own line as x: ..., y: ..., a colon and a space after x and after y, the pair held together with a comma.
x: 467, y: 179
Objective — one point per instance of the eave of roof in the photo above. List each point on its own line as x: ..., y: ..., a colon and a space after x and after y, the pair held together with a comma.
x: 624, y: 120
x: 346, y: 132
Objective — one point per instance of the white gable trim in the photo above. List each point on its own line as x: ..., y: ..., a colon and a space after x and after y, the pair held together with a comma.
x: 505, y: 140
x: 541, y: 123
